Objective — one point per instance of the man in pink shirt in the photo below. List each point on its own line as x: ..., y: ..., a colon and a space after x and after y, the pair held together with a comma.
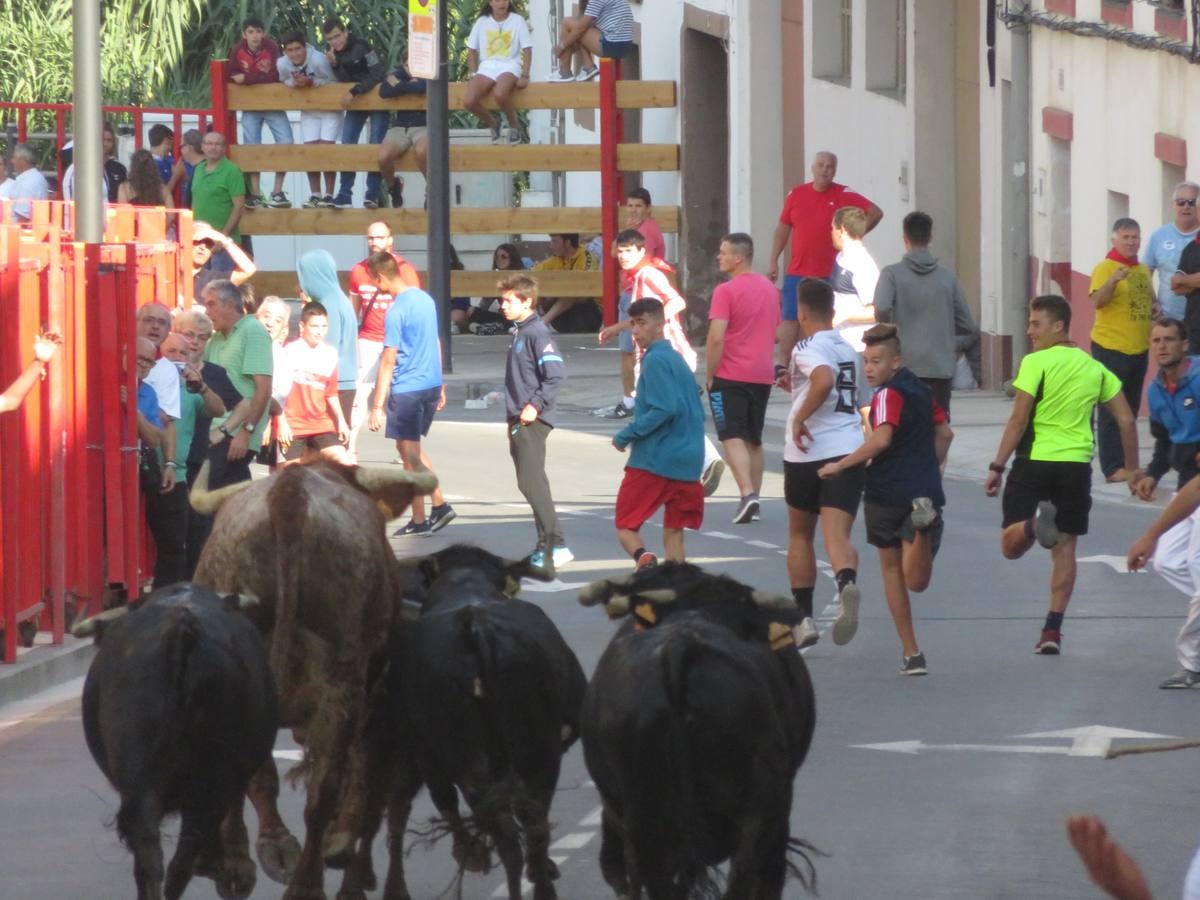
x: 807, y: 218
x: 640, y: 215
x: 742, y: 320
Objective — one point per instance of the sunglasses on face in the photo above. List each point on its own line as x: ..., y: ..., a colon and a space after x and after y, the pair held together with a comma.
x: 1180, y: 201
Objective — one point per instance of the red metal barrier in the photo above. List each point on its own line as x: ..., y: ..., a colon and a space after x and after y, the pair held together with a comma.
x: 71, y: 519
x: 612, y: 182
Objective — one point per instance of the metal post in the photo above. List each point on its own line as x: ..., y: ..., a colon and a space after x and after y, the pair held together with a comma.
x: 88, y: 156
x: 437, y: 98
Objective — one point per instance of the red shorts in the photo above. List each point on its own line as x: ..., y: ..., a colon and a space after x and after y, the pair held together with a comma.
x: 642, y: 493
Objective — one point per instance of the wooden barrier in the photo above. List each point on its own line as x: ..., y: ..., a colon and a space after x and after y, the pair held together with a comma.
x: 463, y: 220
x: 462, y: 283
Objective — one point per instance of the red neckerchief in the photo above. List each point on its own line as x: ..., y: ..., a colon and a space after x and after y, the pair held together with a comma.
x: 1123, y: 260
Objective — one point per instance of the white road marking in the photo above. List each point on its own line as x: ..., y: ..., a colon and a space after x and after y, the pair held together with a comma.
x: 550, y: 587
x: 573, y: 841
x: 292, y: 755
x: 722, y: 535
x: 1116, y: 563
x: 23, y: 710
x: 1087, y: 741
x: 764, y: 544
x: 592, y: 819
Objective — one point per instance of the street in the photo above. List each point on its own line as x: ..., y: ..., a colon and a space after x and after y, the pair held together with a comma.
x: 969, y: 778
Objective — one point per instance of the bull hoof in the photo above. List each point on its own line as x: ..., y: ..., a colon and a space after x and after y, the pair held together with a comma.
x: 338, y: 849
x: 278, y: 852
x: 473, y: 855
x: 236, y: 879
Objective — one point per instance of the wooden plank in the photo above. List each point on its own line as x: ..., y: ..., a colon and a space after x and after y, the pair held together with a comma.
x: 462, y: 284
x: 463, y: 158
x: 539, y: 95
x: 463, y: 220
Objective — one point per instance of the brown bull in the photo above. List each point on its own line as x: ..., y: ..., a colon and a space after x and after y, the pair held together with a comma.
x: 310, y: 543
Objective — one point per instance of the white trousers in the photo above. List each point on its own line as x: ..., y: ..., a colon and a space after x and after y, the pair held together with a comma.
x: 1177, y: 559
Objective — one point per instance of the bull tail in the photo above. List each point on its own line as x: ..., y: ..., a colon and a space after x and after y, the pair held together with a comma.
x: 477, y: 636
x: 802, y: 867
x: 286, y: 523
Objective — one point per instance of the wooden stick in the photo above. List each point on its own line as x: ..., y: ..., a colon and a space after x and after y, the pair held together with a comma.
x: 1152, y: 748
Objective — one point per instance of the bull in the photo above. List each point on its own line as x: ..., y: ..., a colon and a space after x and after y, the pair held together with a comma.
x: 484, y: 697
x: 310, y: 541
x: 698, y: 716
x: 178, y: 712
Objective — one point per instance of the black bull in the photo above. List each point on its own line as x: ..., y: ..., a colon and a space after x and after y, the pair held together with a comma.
x: 697, y: 718
x: 178, y: 711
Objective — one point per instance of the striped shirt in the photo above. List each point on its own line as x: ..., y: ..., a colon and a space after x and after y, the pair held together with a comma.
x: 613, y: 18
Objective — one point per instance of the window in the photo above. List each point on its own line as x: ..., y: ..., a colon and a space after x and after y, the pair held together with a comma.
x: 832, y: 39
x: 887, y: 49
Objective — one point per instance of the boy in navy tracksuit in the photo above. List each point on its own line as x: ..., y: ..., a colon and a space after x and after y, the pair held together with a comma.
x: 536, y: 371
x: 902, y: 498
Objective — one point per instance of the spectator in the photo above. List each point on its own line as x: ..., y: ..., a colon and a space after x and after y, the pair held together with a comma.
x: 355, y: 63
x: 191, y: 154
x: 371, y: 305
x: 927, y: 305
x: 639, y: 214
x: 499, y: 54
x: 806, y: 218
x: 855, y: 277
x: 114, y: 172
x: 154, y: 323
x: 206, y: 242
x: 162, y: 141
x: 567, y: 256
x: 667, y: 433
x: 742, y: 321
x: 535, y: 373
x: 318, y: 281
x: 149, y: 415
x: 27, y: 185
x: 219, y: 195
x: 1048, y: 496
x: 605, y: 28
x: 67, y: 158
x: 407, y: 132
x: 409, y: 383
x: 902, y: 495
x: 252, y: 61
x: 144, y: 187
x: 303, y: 66
x: 315, y: 424
x: 275, y: 316
x: 1124, y: 297
x: 44, y: 348
x: 1167, y: 243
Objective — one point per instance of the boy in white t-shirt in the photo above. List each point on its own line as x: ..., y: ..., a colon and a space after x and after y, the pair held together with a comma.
x: 499, y: 54
x: 823, y: 426
x: 313, y: 413
x: 854, y: 277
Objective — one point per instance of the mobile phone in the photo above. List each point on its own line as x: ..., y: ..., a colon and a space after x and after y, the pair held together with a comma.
x: 515, y: 430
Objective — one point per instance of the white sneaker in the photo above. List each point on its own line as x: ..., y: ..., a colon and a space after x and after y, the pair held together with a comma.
x: 805, y: 634
x: 558, y: 77
x: 846, y: 624
x: 562, y: 556
x: 587, y: 73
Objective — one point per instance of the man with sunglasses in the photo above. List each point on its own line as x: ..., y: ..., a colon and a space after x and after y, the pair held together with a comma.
x: 1167, y: 243
x: 1185, y: 282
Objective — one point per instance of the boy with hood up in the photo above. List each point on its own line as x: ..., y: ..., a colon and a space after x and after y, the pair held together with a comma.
x: 318, y: 281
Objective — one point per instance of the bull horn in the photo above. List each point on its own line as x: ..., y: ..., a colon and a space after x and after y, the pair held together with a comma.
x: 773, y: 601
x: 617, y: 606
x: 374, y: 478
x: 247, y: 601
x: 89, y: 627
x: 595, y: 593
x: 659, y: 595
x: 207, y: 502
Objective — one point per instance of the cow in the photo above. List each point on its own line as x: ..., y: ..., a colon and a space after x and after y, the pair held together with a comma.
x: 310, y: 542
x: 484, y: 697
x: 178, y: 712
x: 697, y: 718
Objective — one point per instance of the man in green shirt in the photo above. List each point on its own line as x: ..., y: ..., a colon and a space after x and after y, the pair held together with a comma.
x: 1049, y: 494
x: 219, y: 194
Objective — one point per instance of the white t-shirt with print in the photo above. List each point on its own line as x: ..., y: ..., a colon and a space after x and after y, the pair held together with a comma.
x: 499, y: 41
x: 836, y: 426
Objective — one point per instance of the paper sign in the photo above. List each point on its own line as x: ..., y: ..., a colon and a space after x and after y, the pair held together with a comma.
x: 423, y: 38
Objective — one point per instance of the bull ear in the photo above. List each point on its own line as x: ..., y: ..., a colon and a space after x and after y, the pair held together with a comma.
x: 393, y: 489
x: 599, y: 591
x: 240, y: 602
x: 658, y: 595
x: 523, y: 568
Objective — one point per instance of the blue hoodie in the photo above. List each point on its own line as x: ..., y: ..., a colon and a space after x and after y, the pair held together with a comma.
x: 667, y: 431
x: 318, y: 279
x: 1175, y: 423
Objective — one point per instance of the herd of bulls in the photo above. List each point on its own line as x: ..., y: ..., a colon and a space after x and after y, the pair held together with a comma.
x: 397, y: 674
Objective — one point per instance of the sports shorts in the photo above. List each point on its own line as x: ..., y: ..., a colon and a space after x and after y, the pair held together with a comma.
x: 320, y: 125
x: 404, y: 137
x: 1068, y: 485
x: 739, y: 409
x: 410, y: 413
x: 315, y: 441
x: 803, y: 489
x: 642, y: 493
x: 789, y: 295
x: 889, y: 526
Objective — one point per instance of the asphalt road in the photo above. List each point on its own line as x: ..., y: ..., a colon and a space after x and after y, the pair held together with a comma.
x: 968, y: 801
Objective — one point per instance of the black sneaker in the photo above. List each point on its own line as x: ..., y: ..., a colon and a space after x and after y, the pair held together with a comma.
x: 746, y: 511
x: 441, y: 516
x: 343, y: 201
x: 414, y: 528
x: 1044, y: 528
x: 327, y: 202
x: 914, y: 665
x: 397, y: 192
x: 254, y: 201
x: 620, y: 411
x: 370, y: 203
x: 496, y: 132
x: 279, y: 200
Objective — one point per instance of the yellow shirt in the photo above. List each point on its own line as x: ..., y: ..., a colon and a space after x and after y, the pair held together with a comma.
x: 1124, y: 323
x: 577, y: 263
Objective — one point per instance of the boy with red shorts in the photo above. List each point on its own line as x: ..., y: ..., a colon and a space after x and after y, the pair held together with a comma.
x: 667, y: 433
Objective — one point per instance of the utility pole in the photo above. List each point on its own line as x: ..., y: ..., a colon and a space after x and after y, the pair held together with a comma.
x: 88, y: 154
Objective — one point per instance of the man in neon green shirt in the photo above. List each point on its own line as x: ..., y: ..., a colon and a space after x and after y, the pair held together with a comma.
x: 1124, y: 297
x: 1049, y: 493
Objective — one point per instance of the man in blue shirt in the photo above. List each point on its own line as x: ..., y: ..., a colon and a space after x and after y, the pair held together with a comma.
x: 667, y: 433
x: 409, y: 382
x: 1166, y: 245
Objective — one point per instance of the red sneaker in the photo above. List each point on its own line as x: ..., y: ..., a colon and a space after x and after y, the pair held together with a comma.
x: 646, y: 560
x: 1050, y: 643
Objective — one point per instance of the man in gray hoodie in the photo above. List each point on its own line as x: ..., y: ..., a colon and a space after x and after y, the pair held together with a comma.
x: 926, y: 302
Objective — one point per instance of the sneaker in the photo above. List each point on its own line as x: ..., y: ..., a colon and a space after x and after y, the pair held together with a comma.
x: 537, y: 560
x: 923, y: 514
x: 559, y: 77
x: 254, y: 201
x: 587, y: 73
x: 328, y: 203
x: 711, y: 479
x: 746, y: 511
x: 1044, y: 528
x: 279, y: 200
x: 496, y: 132
x: 313, y: 201
x: 441, y: 516
x: 515, y: 136
x: 454, y: 329
x: 370, y: 203
x: 413, y: 528
x: 562, y: 555
x: 1182, y: 680
x: 805, y: 634
x: 397, y: 192
x: 846, y: 624
x: 489, y: 329
x: 343, y: 201
x: 1050, y: 643
x: 620, y: 411
x: 646, y: 560
x: 914, y: 665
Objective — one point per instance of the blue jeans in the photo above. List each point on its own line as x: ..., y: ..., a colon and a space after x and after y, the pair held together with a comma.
x: 276, y: 120
x: 352, y: 127
x: 1131, y: 369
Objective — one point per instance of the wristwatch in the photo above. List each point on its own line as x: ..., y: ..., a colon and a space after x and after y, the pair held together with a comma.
x: 247, y: 426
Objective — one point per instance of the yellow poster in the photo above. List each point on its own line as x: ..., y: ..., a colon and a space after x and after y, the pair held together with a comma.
x: 423, y: 38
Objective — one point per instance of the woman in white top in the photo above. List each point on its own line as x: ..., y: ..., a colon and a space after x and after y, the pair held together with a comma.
x: 499, y: 54
x: 854, y: 277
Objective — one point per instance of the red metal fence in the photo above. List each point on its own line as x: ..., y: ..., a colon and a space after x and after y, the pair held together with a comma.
x: 70, y: 512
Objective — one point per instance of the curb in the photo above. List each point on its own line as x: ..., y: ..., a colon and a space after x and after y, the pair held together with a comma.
x: 45, y: 667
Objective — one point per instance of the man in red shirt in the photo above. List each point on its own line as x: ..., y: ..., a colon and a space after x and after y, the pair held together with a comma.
x: 252, y: 61
x: 371, y: 304
x: 312, y: 413
x: 807, y: 218
x: 640, y: 215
